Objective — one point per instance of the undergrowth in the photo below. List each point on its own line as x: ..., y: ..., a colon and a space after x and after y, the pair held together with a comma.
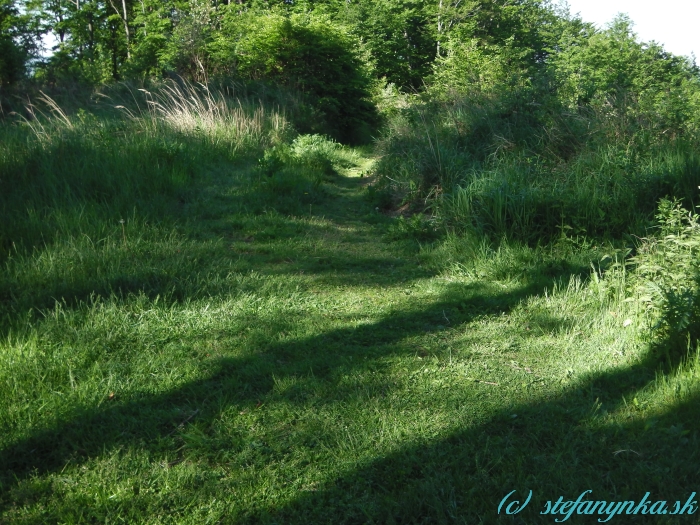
x: 496, y: 186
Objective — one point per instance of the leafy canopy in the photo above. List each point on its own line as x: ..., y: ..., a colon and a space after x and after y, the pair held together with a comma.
x: 309, y: 54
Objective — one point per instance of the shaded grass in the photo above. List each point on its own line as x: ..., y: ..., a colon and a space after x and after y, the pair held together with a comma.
x: 254, y: 355
x: 73, y: 171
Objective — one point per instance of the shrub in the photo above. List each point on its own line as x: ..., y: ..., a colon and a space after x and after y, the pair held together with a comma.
x: 589, y: 139
x: 308, y: 54
x: 314, y: 154
x: 633, y: 82
x: 668, y: 273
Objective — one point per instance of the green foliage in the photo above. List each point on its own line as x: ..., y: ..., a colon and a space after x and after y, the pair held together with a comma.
x: 305, y: 53
x: 166, y: 37
x: 185, y: 50
x: 89, y: 47
x: 400, y: 35
x: 297, y: 170
x: 568, y: 128
x: 668, y: 278
x: 475, y: 70
x: 272, y: 161
x: 496, y: 186
x: 532, y: 27
x: 11, y: 62
x: 416, y: 227
x: 314, y: 152
x: 380, y: 198
x: 202, y: 320
x: 13, y: 54
x: 641, y: 83
x: 183, y: 339
x: 54, y: 170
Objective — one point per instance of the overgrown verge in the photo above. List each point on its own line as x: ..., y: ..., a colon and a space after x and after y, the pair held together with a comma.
x: 667, y: 281
x: 503, y: 145
x: 57, y: 170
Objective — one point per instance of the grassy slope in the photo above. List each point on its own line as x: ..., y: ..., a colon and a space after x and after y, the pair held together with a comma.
x: 266, y: 359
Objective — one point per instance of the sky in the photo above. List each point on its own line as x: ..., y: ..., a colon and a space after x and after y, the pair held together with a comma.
x: 673, y: 23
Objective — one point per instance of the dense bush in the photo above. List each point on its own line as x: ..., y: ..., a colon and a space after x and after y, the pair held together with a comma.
x: 307, y: 54
x: 643, y: 86
x: 12, y: 55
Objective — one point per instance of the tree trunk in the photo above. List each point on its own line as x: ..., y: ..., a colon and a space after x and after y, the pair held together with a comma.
x: 439, y: 28
x: 126, y: 29
x: 124, y: 16
x: 115, y: 69
x: 91, y: 32
x: 59, y: 16
x: 143, y: 10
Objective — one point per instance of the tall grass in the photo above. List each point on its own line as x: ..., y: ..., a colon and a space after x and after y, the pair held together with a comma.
x: 595, y: 194
x: 189, y: 108
x: 488, y: 169
x: 266, y: 363
x: 95, y: 203
x: 58, y: 172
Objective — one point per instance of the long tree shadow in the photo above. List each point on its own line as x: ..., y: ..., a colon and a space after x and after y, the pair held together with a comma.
x: 151, y: 421
x: 549, y: 448
x: 420, y: 484
x: 553, y: 446
x: 198, y: 190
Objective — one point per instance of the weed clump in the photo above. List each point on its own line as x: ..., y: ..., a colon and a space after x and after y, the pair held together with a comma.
x: 667, y: 279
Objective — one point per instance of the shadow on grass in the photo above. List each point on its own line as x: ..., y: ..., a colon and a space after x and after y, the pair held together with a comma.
x: 557, y: 446
x: 151, y: 421
x: 548, y: 449
x: 203, y: 271
x: 205, y: 258
x: 554, y: 446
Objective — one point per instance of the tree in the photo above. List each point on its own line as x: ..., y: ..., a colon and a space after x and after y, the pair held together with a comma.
x: 636, y: 80
x: 16, y: 43
x: 186, y: 48
x: 307, y: 53
x: 399, y: 34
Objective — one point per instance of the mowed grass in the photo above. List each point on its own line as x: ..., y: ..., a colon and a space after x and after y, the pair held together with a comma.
x: 263, y: 345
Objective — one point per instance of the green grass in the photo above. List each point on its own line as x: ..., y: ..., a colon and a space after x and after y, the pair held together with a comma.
x: 256, y: 343
x: 477, y: 168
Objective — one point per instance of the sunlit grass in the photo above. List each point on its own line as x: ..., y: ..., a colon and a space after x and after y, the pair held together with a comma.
x: 234, y: 352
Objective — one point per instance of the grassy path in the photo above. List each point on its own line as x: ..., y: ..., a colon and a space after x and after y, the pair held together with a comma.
x: 295, y: 357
